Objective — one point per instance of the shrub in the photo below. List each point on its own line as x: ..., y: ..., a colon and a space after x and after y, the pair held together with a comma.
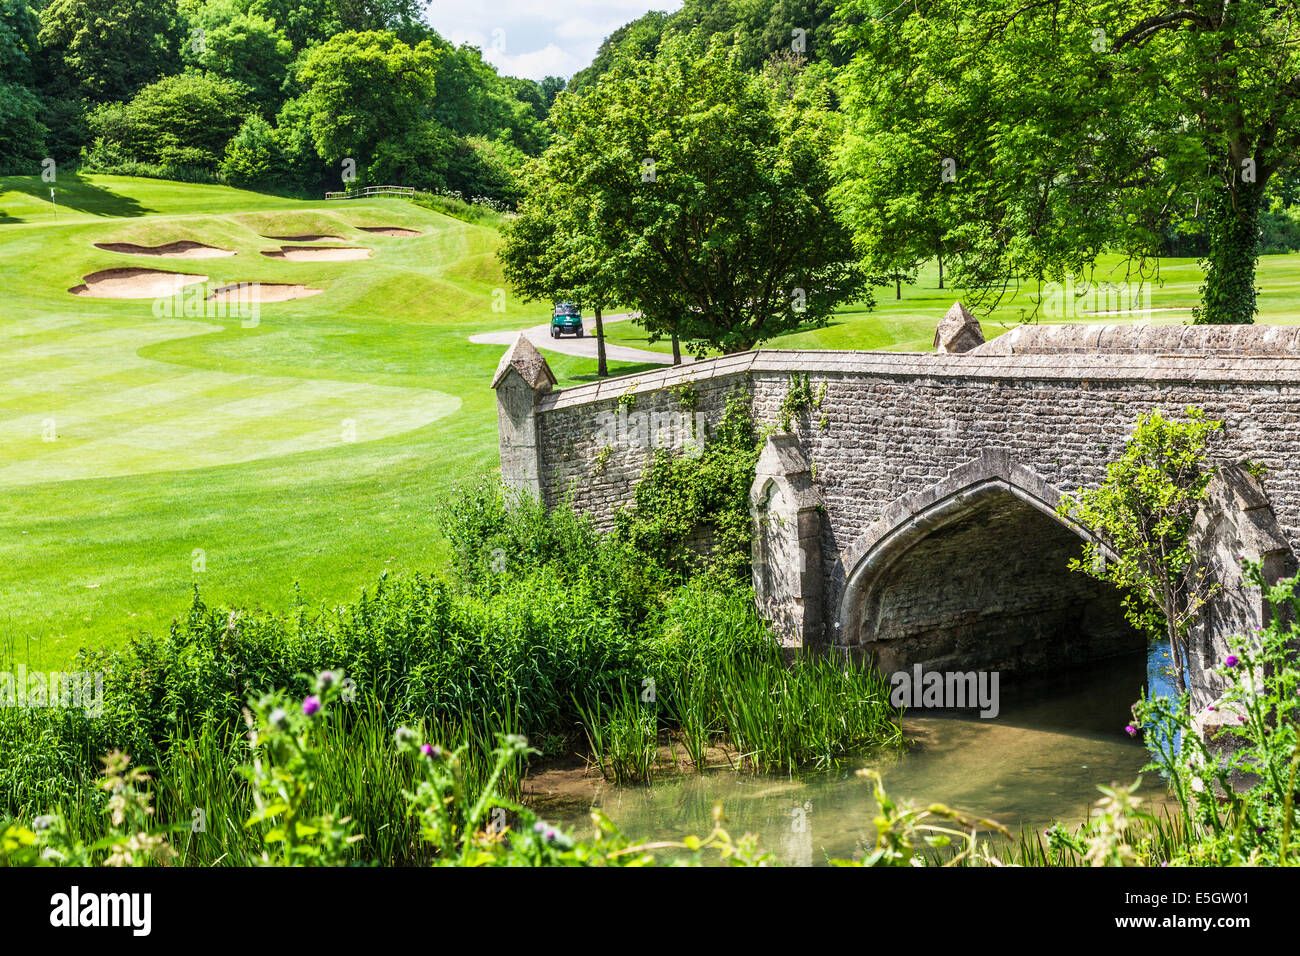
x: 252, y: 158
x: 184, y: 120
x: 691, y: 514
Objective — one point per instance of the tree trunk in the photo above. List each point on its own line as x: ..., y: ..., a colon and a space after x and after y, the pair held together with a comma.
x: 1228, y: 292
x: 941, y: 270
x: 1176, y: 655
x: 677, y: 350
x: 602, y: 370
x: 898, y: 287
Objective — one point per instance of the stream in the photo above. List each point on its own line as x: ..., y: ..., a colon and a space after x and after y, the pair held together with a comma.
x: 1038, y: 762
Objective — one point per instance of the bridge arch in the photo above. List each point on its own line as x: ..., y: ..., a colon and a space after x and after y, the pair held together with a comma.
x: 972, y: 573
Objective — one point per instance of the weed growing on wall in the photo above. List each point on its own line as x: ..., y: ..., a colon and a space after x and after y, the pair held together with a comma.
x: 691, y: 514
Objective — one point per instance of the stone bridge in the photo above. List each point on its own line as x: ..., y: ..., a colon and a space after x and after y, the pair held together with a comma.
x: 908, y: 511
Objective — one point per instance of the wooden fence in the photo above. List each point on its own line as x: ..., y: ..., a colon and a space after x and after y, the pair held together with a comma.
x: 367, y: 191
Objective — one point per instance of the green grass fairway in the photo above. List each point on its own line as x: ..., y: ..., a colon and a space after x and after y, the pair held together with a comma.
x: 141, y: 454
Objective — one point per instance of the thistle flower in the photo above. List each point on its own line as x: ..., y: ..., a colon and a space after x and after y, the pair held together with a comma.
x: 1231, y: 660
x: 1130, y: 730
x: 311, y: 705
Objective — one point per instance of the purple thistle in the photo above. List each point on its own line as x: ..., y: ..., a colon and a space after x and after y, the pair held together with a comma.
x: 1130, y: 730
x: 311, y: 705
x: 1231, y: 660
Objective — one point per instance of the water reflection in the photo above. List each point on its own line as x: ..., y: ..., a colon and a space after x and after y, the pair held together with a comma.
x: 1039, y: 761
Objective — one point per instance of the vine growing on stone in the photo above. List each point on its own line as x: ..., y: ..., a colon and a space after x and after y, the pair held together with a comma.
x: 691, y: 514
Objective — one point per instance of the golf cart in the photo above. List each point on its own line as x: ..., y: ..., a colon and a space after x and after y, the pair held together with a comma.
x: 566, y: 320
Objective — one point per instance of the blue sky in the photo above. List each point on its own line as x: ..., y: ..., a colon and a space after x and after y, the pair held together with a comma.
x: 537, y: 38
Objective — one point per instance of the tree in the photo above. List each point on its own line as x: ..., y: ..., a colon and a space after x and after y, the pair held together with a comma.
x: 640, y: 38
x: 473, y: 100
x: 309, y: 22
x: 550, y: 251
x: 18, y: 43
x: 418, y: 158
x: 112, y: 48
x: 710, y: 195
x: 363, y: 88
x: 243, y: 47
x: 551, y: 87
x: 22, y: 135
x: 1142, y: 514
x: 1032, y: 137
x: 182, y: 120
x: 303, y: 170
x: 252, y: 158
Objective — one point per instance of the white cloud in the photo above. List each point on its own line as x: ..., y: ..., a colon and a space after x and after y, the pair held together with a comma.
x: 550, y: 60
x: 536, y: 39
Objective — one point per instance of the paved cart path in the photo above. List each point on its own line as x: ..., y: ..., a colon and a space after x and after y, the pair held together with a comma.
x: 540, y: 336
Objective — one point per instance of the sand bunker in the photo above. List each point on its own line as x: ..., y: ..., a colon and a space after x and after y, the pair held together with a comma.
x: 395, y: 231
x: 184, y: 249
x: 309, y: 237
x: 248, y: 293
x: 134, y: 283
x: 318, y: 253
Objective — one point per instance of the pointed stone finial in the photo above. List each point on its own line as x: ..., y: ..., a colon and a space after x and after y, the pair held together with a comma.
x: 524, y: 358
x: 958, y: 331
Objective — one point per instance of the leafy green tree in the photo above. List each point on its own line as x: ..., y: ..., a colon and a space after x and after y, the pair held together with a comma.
x: 309, y: 22
x: 303, y: 170
x: 486, y: 168
x: 418, y: 158
x: 252, y: 158
x: 1141, y: 515
x: 22, y: 134
x: 473, y: 100
x: 551, y: 87
x: 757, y: 30
x: 182, y: 120
x: 363, y: 88
x: 711, y: 196
x: 110, y: 49
x: 1029, y: 138
x: 18, y: 43
x: 550, y: 251
x: 244, y: 47
x: 639, y: 39
x: 819, y: 21
x: 304, y: 22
